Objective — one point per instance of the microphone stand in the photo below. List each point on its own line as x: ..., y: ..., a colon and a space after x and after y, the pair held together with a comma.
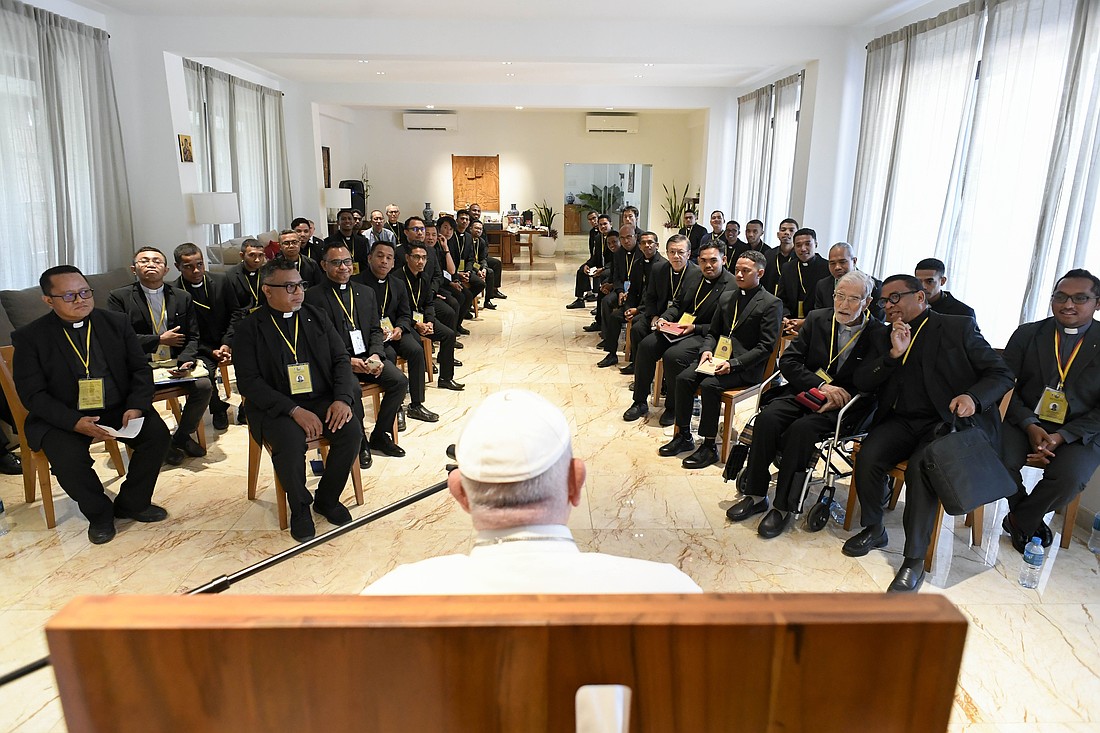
x: 224, y: 582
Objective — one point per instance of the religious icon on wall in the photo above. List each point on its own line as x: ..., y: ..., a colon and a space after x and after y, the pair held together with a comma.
x: 186, y: 153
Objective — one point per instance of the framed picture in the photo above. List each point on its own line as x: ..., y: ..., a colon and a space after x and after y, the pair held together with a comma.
x: 325, y: 166
x: 187, y: 155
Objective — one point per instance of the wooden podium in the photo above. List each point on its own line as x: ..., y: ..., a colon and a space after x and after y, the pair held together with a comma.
x: 811, y: 663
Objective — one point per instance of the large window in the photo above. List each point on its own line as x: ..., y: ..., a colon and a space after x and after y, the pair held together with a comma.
x: 240, y: 146
x: 767, y: 129
x: 64, y: 197
x: 977, y: 147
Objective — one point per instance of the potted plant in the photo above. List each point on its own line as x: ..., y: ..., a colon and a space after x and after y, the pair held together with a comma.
x: 674, y: 206
x: 546, y: 244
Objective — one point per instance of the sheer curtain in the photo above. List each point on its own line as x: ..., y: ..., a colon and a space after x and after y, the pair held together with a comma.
x: 750, y: 183
x: 788, y: 98
x: 65, y: 198
x: 243, y: 145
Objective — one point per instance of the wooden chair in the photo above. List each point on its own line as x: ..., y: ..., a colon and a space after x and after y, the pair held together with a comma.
x: 224, y: 369
x: 731, y: 397
x: 626, y: 346
x: 171, y: 394
x: 527, y: 239
x: 374, y: 392
x: 280, y: 493
x: 35, y: 463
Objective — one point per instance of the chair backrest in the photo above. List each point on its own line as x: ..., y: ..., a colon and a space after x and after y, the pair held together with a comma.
x: 505, y: 663
x: 7, y: 381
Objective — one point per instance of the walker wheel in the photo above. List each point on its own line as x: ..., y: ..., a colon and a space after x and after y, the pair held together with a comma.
x: 817, y: 517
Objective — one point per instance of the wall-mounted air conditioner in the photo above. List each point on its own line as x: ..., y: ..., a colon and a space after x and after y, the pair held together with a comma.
x: 430, y: 120
x: 611, y: 123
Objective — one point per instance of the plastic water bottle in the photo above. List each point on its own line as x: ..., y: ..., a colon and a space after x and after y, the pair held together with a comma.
x: 837, y: 512
x: 1032, y: 564
x: 1094, y: 538
x: 4, y: 528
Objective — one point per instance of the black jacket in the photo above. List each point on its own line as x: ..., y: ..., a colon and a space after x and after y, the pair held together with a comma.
x: 179, y: 311
x: 826, y: 286
x: 640, y: 279
x: 364, y: 311
x: 215, y: 303
x: 798, y: 283
x: 659, y: 290
x: 811, y: 348
x: 705, y: 306
x: 754, y: 335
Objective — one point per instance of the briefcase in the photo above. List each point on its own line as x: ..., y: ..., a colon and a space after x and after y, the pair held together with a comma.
x: 964, y: 469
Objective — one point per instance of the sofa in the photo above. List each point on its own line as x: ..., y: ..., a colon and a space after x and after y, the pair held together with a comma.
x: 20, y: 307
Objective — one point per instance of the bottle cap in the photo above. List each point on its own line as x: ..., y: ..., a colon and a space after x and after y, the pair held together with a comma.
x: 1037, y: 541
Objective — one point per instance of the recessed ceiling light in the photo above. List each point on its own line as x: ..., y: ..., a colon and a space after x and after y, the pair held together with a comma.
x: 519, y: 106
x: 506, y: 63
x: 639, y: 76
x: 429, y: 106
x: 509, y: 74
x: 364, y: 61
x: 647, y: 65
x: 380, y: 73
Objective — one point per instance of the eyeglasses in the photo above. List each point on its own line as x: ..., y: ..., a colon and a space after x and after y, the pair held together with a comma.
x: 346, y: 262
x: 149, y: 261
x: 849, y: 299
x: 290, y: 288
x: 418, y: 257
x: 1078, y: 299
x: 416, y: 229
x: 84, y: 294
x: 895, y: 298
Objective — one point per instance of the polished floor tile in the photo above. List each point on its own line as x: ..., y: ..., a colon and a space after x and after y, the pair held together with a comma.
x: 1032, y: 659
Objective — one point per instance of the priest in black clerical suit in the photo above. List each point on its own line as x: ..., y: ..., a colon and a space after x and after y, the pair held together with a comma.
x: 294, y: 371
x: 742, y: 336
x: 798, y: 278
x: 824, y: 356
x: 352, y: 309
x: 426, y: 323
x: 80, y: 352
x: 352, y: 240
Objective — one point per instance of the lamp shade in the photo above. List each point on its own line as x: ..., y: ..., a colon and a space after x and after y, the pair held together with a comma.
x: 337, y: 198
x: 216, y: 208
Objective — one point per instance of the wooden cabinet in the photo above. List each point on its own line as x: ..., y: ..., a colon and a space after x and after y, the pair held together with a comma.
x: 574, y: 222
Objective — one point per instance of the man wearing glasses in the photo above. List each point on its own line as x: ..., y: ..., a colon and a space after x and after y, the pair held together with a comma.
x: 347, y: 235
x: 932, y: 366
x: 425, y: 322
x: 1053, y: 417
x: 296, y: 375
x: 78, y: 369
x: 168, y: 330
x: 830, y: 346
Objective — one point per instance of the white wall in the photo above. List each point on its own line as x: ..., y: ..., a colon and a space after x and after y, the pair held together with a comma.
x: 410, y: 168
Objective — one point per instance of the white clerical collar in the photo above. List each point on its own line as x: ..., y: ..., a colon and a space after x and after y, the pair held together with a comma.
x: 197, y: 285
x: 78, y: 324
x: 289, y: 314
x: 152, y: 292
x: 381, y: 282
x: 557, y: 535
x: 343, y: 286
x: 1076, y: 331
x: 1069, y: 331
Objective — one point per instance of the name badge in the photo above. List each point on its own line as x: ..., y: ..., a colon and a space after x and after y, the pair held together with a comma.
x: 824, y: 376
x: 300, y: 380
x: 418, y: 317
x: 355, y: 268
x: 162, y: 354
x: 447, y: 276
x: 686, y: 320
x: 626, y: 286
x: 724, y: 350
x: 1052, y: 406
x: 91, y: 395
x: 358, y: 346
x: 461, y: 265
x: 386, y: 324
x: 801, y: 309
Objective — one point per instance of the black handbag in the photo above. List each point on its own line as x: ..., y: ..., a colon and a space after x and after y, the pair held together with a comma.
x: 964, y: 469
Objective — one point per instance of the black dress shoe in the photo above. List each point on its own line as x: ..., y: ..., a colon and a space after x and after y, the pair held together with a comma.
x: 746, y: 508
x: 383, y: 443
x: 450, y: 384
x: 578, y: 303
x: 1019, y: 538
x: 501, y: 295
x: 668, y: 418
x: 602, y: 346
x: 366, y: 460
x: 419, y: 412
x: 338, y: 514
x: 1045, y: 535
x: 868, y: 539
x: 590, y: 296
x: 101, y: 534
x: 637, y: 410
x: 10, y: 464
x: 174, y: 456
x: 705, y: 455
x: 451, y: 452
x: 301, y: 526
x: 151, y: 513
x: 462, y: 331
x: 490, y: 306
x: 456, y: 362
x: 191, y: 448
x: 242, y: 418
x: 628, y: 369
x: 682, y: 442
x: 908, y: 579
x: 609, y: 360
x: 591, y: 328
x: 401, y: 424
x: 592, y: 312
x: 220, y: 420
x: 773, y: 523
x: 459, y: 345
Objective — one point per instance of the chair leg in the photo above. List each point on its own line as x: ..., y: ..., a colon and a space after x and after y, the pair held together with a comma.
x: 429, y: 365
x: 850, y: 510
x: 47, y: 489
x: 357, y: 482
x: 202, y: 434
x: 976, y: 521
x: 30, y: 472
x: 116, y: 457
x: 895, y: 491
x: 727, y: 427
x: 935, y: 539
x: 658, y: 377
x: 174, y: 403
x: 253, y: 466
x: 1069, y: 520
x: 224, y: 368
x: 280, y: 499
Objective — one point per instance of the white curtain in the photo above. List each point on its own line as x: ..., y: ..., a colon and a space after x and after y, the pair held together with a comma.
x: 65, y: 197
x: 788, y: 98
x: 243, y: 145
x: 750, y: 183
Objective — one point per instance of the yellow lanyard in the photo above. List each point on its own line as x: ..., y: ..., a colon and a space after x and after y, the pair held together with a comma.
x: 349, y: 243
x: 85, y: 360
x: 205, y: 290
x: 419, y: 290
x: 912, y: 341
x: 832, y: 341
x: 386, y: 299
x: 255, y: 293
x: 736, y: 307
x: 698, y: 302
x: 630, y: 264
x: 157, y: 326
x: 801, y: 285
x: 1063, y: 371
x: 293, y: 347
x: 349, y: 314
x: 671, y: 275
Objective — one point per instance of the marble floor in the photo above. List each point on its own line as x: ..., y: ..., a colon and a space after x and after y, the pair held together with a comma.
x: 1032, y: 659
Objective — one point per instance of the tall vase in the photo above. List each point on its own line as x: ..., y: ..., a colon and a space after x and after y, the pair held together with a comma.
x: 429, y: 215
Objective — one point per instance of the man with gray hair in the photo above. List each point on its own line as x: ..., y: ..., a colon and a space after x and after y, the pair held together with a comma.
x: 819, y: 367
x: 842, y: 260
x: 518, y: 479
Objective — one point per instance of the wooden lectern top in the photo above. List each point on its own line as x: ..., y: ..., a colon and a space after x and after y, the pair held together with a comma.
x: 747, y: 662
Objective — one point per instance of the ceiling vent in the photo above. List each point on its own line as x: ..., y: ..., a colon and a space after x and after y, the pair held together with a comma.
x: 430, y: 120
x: 611, y: 123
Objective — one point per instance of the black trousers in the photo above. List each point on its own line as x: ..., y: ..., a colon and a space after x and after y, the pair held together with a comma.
x: 475, y: 287
x: 893, y: 440
x: 71, y: 463
x: 446, y: 312
x: 394, y: 386
x: 651, y: 348
x: 217, y: 404
x: 710, y: 388
x: 611, y: 321
x: 412, y: 351
x: 497, y: 268
x: 463, y: 302
x: 1064, y: 478
x: 199, y: 393
x: 445, y: 337
x: 584, y: 283
x: 288, y: 450
x: 639, y: 329
x: 784, y: 427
